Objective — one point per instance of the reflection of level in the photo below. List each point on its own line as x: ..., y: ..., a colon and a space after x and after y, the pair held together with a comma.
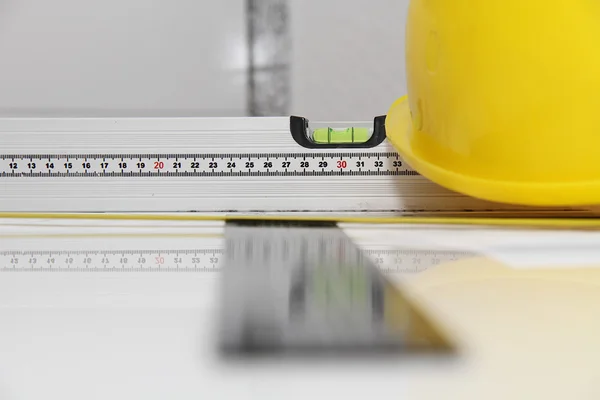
x: 201, y: 260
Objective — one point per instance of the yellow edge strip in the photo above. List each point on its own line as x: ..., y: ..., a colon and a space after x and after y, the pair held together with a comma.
x: 566, y: 223
x: 110, y: 235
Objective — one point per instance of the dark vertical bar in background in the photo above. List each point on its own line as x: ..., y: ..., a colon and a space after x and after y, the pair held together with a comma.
x: 268, y: 57
x: 250, y: 26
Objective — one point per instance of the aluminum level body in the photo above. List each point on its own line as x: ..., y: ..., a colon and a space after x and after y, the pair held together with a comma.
x: 203, y: 165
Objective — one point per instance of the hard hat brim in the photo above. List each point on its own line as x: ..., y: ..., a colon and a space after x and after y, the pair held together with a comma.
x: 399, y: 129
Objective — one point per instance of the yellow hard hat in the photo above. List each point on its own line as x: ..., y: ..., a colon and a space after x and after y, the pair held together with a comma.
x: 503, y: 99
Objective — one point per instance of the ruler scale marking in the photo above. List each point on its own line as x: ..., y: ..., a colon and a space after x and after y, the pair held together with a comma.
x: 220, y: 165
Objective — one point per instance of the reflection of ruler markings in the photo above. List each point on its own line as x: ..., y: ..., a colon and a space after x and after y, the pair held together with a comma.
x: 201, y: 260
x: 202, y: 165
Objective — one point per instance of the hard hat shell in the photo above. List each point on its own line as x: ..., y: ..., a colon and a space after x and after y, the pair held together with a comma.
x: 503, y: 99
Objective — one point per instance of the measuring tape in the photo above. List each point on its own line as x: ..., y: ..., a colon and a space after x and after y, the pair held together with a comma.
x: 202, y: 165
x: 232, y: 165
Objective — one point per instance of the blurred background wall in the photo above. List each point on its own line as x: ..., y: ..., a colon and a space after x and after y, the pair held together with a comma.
x: 326, y: 59
x: 348, y: 57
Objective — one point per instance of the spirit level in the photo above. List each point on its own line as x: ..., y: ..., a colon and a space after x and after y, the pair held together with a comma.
x: 265, y: 165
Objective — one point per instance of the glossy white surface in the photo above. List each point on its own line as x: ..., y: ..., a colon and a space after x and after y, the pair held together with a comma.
x: 138, y: 335
x: 523, y: 333
x: 152, y: 352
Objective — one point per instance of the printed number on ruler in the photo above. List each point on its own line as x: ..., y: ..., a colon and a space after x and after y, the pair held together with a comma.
x: 389, y: 261
x: 291, y: 164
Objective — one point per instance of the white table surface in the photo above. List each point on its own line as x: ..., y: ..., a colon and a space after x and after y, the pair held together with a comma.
x: 523, y: 333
